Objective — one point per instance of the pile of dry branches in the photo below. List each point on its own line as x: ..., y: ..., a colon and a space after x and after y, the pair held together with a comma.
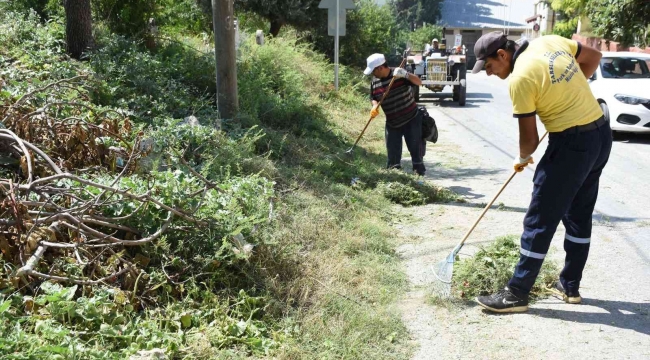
x: 48, y: 217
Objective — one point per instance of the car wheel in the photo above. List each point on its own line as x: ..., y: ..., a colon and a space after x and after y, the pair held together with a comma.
x: 605, y: 110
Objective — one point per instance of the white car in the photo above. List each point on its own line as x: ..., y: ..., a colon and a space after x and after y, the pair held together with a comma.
x: 622, y: 86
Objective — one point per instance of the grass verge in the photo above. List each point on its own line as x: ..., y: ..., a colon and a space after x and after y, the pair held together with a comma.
x: 322, y: 277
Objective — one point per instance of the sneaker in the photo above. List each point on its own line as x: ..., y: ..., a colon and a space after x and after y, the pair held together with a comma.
x: 569, y: 296
x: 504, y: 301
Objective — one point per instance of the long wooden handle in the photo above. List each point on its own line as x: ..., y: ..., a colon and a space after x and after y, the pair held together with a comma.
x: 491, y: 202
x: 378, y: 104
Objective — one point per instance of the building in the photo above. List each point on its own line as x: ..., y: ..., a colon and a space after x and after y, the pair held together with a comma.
x: 473, y: 18
x: 542, y: 21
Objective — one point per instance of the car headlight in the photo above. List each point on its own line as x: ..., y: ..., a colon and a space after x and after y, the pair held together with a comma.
x: 631, y: 100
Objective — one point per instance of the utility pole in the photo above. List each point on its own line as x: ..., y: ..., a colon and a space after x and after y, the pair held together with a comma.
x: 225, y: 56
x: 336, y: 47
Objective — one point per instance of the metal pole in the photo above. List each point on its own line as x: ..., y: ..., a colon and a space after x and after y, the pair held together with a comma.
x: 336, y: 49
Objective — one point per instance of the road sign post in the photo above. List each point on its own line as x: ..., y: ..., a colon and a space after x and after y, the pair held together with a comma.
x: 336, y: 11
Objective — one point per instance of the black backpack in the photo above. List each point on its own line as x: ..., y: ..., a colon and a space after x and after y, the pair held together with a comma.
x: 429, y: 128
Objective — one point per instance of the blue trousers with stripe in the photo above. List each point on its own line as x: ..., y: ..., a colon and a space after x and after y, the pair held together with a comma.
x: 565, y: 189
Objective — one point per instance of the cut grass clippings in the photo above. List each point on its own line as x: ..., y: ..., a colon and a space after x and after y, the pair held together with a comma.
x: 490, y: 269
x: 417, y: 193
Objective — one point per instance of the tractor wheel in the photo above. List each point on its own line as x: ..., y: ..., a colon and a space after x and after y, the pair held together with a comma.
x: 462, y: 94
x: 457, y: 90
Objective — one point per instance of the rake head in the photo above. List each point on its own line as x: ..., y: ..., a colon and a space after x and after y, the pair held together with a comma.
x: 444, y: 271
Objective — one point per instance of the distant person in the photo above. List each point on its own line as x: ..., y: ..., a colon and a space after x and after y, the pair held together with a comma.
x: 403, y: 119
x: 548, y: 78
x: 434, y: 48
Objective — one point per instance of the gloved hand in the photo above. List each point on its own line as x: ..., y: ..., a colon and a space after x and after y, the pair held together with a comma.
x: 519, y: 164
x: 374, y: 112
x: 400, y: 73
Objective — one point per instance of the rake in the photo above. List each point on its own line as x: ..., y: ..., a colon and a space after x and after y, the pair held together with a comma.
x: 445, y: 268
x: 349, y: 151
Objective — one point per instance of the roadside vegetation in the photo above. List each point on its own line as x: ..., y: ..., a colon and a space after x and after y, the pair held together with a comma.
x: 276, y: 242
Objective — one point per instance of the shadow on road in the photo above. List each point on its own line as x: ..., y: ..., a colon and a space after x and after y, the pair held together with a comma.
x: 631, y: 138
x: 445, y: 100
x: 439, y: 172
x: 620, y: 314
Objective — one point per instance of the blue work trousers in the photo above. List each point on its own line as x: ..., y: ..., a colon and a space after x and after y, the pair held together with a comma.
x: 412, y: 134
x: 565, y: 189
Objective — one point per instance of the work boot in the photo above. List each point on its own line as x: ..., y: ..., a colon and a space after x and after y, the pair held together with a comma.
x: 569, y: 296
x: 504, y: 301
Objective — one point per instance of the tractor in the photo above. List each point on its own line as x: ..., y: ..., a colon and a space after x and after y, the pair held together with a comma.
x: 440, y: 69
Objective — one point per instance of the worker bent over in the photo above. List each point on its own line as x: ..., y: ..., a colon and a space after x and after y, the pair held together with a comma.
x: 548, y: 78
x: 403, y: 119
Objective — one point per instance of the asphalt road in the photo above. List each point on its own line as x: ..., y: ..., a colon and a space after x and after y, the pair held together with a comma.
x: 486, y: 130
x: 473, y: 157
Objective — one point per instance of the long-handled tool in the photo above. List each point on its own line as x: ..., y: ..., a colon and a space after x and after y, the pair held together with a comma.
x: 378, y: 104
x: 445, y: 268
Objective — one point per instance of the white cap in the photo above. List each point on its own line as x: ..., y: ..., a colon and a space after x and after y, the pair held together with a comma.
x: 435, y: 40
x: 373, y: 61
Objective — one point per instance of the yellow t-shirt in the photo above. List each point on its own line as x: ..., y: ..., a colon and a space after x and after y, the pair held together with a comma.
x: 547, y: 81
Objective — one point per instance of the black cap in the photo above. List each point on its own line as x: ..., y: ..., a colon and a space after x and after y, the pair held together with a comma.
x: 487, y: 45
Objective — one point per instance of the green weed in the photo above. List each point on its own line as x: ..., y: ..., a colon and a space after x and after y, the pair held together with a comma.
x: 491, y: 267
x: 315, y: 275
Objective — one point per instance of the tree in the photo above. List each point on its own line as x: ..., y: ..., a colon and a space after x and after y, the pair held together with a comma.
x: 416, y: 12
x: 624, y: 21
x: 78, y: 27
x: 370, y: 29
x: 423, y: 35
x: 569, y: 12
x: 129, y: 17
x: 298, y: 13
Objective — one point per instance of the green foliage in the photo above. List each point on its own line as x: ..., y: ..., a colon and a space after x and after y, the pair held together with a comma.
x: 414, y: 193
x: 624, y: 21
x: 104, y: 324
x: 126, y: 17
x: 45, y: 9
x: 415, y: 13
x: 282, y: 218
x: 573, y: 8
x: 299, y: 14
x: 569, y: 13
x: 566, y: 28
x: 183, y: 15
x: 423, y: 36
x: 491, y: 267
x: 402, y: 194
x: 370, y: 29
x: 176, y: 81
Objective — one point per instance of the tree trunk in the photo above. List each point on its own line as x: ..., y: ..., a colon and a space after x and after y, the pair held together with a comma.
x: 276, y: 25
x: 78, y: 27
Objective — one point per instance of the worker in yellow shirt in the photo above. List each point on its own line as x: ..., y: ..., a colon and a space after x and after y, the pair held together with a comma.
x: 548, y: 78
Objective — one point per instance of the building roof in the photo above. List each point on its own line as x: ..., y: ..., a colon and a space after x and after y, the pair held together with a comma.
x: 486, y: 14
